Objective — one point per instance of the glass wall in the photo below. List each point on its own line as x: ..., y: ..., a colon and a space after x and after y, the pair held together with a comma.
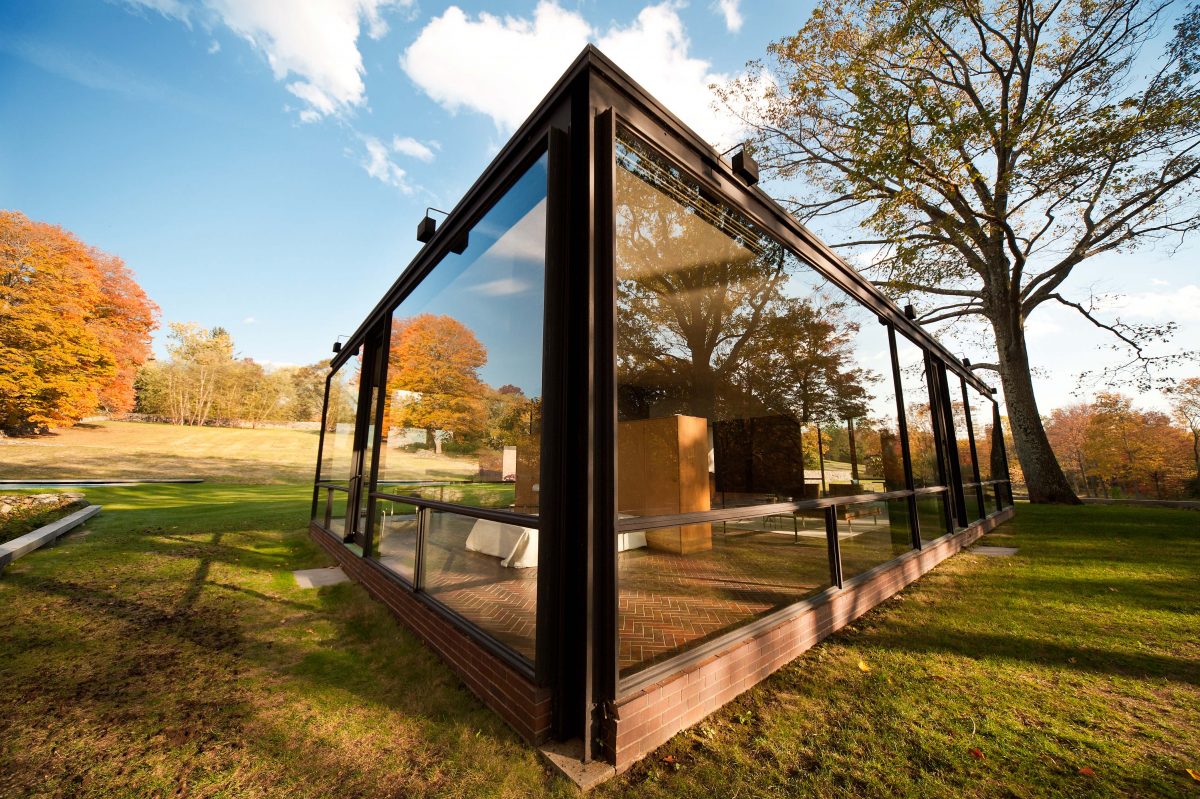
x: 986, y: 451
x: 927, y: 467
x: 744, y: 378
x: 461, y: 421
x: 967, y: 434
x: 337, y: 447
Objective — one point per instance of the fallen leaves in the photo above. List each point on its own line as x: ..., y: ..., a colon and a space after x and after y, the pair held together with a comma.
x: 976, y: 753
x: 1193, y: 774
x: 863, y: 667
x: 1087, y: 771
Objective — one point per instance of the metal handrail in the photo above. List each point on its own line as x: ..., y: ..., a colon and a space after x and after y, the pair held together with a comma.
x: 489, y: 514
x: 773, y: 509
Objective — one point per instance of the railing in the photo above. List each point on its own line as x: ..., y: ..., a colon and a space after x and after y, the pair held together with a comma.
x: 831, y: 511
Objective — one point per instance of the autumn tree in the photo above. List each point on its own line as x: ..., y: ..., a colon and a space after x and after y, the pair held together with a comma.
x: 435, y: 362
x: 1067, y: 430
x: 74, y: 327
x: 200, y: 360
x: 307, y: 392
x: 1185, y: 404
x: 123, y: 323
x: 1112, y: 448
x: 986, y: 150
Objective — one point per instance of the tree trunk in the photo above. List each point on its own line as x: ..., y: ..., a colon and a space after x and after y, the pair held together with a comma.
x: 1044, y: 478
x: 1196, y: 452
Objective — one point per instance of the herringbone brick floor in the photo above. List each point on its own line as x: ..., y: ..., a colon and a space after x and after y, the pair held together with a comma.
x: 667, y: 602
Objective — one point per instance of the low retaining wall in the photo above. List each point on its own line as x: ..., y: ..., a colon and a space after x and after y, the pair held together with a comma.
x: 508, y: 692
x: 43, y: 535
x: 650, y: 717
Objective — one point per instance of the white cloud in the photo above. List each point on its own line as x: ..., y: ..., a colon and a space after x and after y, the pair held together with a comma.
x: 1176, y: 305
x: 249, y: 320
x: 1154, y: 281
x: 174, y: 9
x: 502, y: 67
x: 501, y: 287
x: 411, y: 147
x: 499, y: 66
x: 380, y: 166
x: 214, y: 48
x: 733, y: 15
x: 312, y: 44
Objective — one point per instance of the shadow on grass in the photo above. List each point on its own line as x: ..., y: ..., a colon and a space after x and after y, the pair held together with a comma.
x: 139, y: 652
x: 978, y: 646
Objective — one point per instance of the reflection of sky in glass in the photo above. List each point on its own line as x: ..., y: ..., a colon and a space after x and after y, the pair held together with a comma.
x: 496, y: 287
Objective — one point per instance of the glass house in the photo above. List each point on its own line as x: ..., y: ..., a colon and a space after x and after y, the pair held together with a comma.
x: 625, y: 437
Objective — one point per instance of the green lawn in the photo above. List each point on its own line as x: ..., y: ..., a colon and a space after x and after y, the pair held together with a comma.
x: 166, y: 652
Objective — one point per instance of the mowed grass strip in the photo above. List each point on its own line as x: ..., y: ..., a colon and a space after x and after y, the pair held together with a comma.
x: 168, y: 652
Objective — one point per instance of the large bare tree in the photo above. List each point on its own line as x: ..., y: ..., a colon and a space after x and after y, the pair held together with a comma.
x: 984, y: 150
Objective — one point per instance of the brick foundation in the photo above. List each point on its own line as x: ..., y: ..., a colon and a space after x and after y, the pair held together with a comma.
x: 652, y: 715
x: 508, y: 692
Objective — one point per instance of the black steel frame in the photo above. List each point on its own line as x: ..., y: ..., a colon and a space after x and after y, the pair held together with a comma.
x: 577, y: 633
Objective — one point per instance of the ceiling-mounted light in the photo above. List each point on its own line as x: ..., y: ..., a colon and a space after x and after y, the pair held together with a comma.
x: 910, y: 312
x: 428, y: 226
x: 337, y: 347
x: 744, y: 165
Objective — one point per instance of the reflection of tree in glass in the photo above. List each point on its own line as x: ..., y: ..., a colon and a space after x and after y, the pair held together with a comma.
x: 922, y: 446
x: 513, y: 418
x: 705, y: 323
x: 433, y: 378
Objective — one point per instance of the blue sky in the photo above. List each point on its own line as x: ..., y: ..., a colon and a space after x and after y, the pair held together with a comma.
x: 262, y: 165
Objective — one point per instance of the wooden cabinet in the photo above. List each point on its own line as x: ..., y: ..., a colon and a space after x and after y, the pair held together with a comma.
x: 662, y: 469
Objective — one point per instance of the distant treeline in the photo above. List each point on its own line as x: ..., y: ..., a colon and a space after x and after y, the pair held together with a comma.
x: 1108, y: 447
x: 202, y: 382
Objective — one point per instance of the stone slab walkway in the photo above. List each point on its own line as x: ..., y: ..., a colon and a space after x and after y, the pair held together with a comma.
x: 994, y: 552
x: 315, y: 578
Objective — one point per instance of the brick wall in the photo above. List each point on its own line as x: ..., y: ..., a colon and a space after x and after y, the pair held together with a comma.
x: 505, y: 690
x: 651, y: 716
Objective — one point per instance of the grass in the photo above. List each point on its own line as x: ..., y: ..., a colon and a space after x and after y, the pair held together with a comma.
x: 166, y: 651
x: 137, y: 450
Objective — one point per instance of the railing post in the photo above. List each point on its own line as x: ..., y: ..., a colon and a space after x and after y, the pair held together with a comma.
x: 835, y: 550
x: 419, y: 558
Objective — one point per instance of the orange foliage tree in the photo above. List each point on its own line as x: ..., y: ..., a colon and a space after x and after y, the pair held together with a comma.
x: 1110, y: 448
x: 1185, y: 403
x: 436, y: 361
x: 74, y: 327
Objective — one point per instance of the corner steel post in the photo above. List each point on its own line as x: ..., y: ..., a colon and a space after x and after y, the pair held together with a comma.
x: 321, y: 449
x: 553, y: 661
x: 603, y: 574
